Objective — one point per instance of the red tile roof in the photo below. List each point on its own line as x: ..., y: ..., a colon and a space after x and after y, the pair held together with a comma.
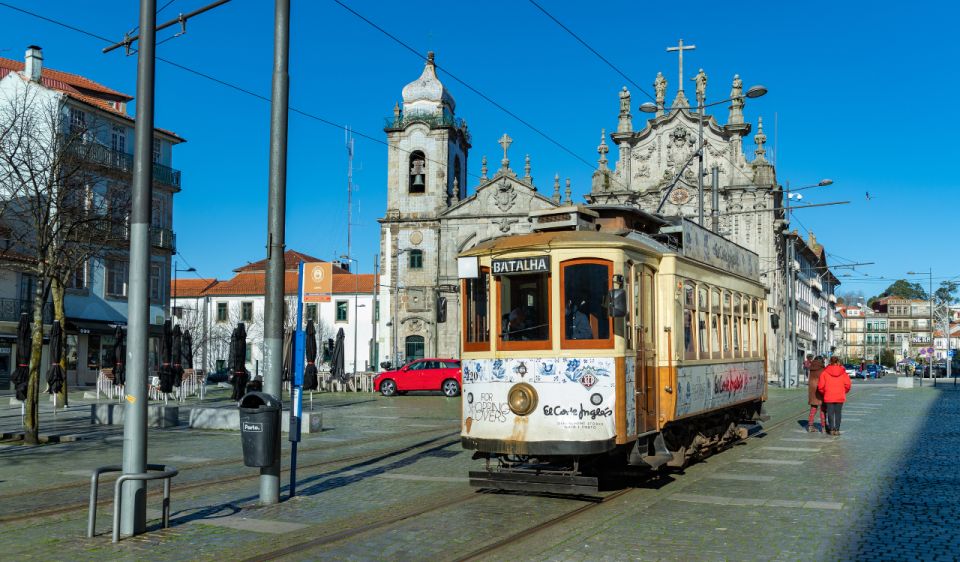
x: 183, y: 288
x: 254, y: 283
x: 81, y: 89
x: 291, y: 262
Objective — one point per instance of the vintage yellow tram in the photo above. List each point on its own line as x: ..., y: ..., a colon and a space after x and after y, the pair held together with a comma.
x: 607, y: 338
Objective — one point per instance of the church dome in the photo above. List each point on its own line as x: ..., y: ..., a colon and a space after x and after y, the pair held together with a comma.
x: 427, y: 93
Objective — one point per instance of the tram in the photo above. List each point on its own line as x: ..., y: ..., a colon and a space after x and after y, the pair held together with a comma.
x: 606, y: 340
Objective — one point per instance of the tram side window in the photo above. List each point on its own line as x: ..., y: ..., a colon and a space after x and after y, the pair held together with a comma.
x: 689, y: 311
x: 476, y: 319
x: 525, y: 307
x: 735, y: 326
x: 726, y: 323
x: 702, y: 322
x: 747, y: 338
x: 585, y: 287
x: 755, y: 323
x: 715, y: 323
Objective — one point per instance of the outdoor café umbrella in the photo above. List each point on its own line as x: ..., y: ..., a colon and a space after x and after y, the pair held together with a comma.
x: 238, y: 360
x: 287, y: 355
x: 55, y: 375
x: 310, y: 381
x: 119, y: 357
x: 22, y: 371
x: 176, y: 356
x: 187, y: 350
x: 336, y: 362
x: 166, y: 367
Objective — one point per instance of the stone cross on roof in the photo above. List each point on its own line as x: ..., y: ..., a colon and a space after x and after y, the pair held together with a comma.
x: 680, y: 48
x: 505, y: 141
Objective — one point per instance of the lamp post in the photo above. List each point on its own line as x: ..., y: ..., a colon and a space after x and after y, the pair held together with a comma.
x: 649, y: 107
x: 175, y: 271
x: 930, y: 360
x: 356, y: 320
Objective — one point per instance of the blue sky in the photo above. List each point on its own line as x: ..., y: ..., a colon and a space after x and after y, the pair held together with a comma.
x: 859, y: 93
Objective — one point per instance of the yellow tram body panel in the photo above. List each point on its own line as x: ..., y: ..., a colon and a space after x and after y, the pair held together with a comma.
x: 621, y: 377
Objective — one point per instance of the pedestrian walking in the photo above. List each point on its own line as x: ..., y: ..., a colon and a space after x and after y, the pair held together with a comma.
x: 806, y: 365
x: 834, y: 384
x: 814, y: 396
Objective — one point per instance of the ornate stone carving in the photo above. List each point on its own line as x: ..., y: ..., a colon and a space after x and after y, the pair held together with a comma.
x: 625, y: 122
x: 504, y: 224
x: 660, y: 87
x: 736, y: 102
x: 504, y: 196
x: 701, y: 81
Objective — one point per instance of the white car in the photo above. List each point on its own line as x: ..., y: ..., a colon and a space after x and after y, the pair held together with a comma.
x: 851, y: 370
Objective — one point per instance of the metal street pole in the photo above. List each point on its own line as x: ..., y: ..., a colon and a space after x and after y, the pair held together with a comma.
x: 133, y: 514
x: 932, y: 349
x: 375, y: 345
x: 276, y: 214
x: 715, y: 211
x: 700, y: 109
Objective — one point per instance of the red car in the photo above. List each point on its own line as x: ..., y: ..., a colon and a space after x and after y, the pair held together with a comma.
x: 422, y: 374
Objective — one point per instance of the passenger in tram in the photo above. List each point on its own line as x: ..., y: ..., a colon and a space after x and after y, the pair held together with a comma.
x: 578, y: 324
x: 516, y: 324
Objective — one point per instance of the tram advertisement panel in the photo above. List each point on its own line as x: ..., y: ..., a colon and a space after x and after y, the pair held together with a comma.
x: 575, y: 398
x: 705, y: 387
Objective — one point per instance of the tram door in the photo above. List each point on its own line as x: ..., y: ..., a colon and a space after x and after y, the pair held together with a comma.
x: 644, y: 321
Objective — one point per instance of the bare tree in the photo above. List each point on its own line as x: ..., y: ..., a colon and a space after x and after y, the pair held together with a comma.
x: 56, y: 208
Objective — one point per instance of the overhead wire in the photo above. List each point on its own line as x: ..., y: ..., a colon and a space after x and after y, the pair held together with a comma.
x: 222, y: 82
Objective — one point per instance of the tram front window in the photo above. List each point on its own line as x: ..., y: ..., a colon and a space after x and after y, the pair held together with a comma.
x: 585, y: 287
x: 525, y: 307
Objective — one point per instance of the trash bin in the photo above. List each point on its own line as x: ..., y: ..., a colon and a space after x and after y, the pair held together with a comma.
x: 259, y: 428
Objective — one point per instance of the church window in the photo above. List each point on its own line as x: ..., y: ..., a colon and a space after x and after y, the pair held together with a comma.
x: 418, y: 183
x: 414, y: 348
x: 415, y: 259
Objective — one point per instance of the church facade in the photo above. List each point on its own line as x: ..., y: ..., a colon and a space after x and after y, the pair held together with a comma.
x: 431, y: 215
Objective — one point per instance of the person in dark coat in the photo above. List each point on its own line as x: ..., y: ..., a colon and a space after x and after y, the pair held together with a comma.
x: 814, y: 396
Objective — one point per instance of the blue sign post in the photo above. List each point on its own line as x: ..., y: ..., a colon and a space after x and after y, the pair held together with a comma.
x: 296, y: 389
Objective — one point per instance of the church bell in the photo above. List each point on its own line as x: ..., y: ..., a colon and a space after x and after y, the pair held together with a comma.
x: 418, y: 181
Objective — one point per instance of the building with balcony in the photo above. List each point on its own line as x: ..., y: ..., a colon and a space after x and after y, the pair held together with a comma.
x: 817, y: 330
x: 96, y: 294
x: 211, y: 309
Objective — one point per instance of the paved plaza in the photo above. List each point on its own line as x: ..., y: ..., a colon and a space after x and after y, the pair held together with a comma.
x: 386, y: 480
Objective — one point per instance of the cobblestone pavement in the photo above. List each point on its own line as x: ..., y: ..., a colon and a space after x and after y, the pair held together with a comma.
x: 386, y: 479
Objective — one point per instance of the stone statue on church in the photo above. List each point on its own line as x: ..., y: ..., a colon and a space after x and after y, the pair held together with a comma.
x: 736, y: 102
x: 701, y: 80
x: 736, y: 92
x: 660, y: 87
x: 624, y: 101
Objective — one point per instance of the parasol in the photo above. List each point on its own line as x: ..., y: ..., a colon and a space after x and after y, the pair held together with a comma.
x: 55, y: 375
x: 336, y: 362
x: 310, y: 381
x: 238, y: 360
x: 119, y: 357
x: 287, y: 355
x: 176, y: 356
x: 187, y: 350
x: 22, y: 371
x: 166, y: 367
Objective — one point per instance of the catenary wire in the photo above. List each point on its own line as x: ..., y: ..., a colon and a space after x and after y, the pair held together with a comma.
x: 221, y: 82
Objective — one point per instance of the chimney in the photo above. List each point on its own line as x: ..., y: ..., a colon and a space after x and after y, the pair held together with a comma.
x: 34, y: 63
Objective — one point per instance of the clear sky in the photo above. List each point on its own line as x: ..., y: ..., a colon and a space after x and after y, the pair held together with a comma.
x: 858, y: 91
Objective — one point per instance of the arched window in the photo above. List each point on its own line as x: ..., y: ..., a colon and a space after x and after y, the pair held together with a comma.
x: 413, y: 348
x: 418, y: 173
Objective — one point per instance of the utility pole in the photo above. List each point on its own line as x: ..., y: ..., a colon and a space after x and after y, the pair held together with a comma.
x: 276, y: 231
x: 133, y: 514
x: 715, y: 211
x: 374, y: 315
x: 348, y: 140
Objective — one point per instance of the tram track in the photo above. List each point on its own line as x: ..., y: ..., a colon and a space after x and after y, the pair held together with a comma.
x: 27, y: 515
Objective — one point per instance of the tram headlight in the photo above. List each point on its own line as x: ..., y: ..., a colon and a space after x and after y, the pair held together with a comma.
x: 522, y: 399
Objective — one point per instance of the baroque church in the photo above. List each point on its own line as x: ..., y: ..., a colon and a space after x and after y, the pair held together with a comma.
x: 432, y: 216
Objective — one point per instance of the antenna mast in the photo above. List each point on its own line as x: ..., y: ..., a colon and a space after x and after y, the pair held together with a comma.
x: 348, y: 139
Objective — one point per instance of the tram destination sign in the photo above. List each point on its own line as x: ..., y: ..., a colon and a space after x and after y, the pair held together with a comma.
x: 517, y: 266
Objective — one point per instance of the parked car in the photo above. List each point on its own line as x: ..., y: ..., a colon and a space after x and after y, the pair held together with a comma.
x: 873, y: 371
x: 422, y: 374
x: 851, y: 370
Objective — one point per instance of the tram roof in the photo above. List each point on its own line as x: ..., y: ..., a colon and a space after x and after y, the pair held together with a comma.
x: 565, y: 239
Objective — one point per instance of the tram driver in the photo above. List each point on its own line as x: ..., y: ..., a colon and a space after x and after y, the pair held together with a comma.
x: 578, y: 323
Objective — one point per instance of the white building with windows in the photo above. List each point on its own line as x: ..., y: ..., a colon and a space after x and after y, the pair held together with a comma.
x: 96, y: 297
x: 211, y: 309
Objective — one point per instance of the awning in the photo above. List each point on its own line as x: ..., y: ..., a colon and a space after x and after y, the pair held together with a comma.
x: 82, y: 326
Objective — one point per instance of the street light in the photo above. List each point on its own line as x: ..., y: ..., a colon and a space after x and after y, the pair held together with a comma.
x: 930, y: 275
x: 648, y: 107
x: 175, y: 271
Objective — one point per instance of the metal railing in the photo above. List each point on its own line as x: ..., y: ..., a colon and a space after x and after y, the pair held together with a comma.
x: 105, y: 156
x: 163, y: 238
x: 432, y: 120
x: 11, y: 309
x: 154, y: 472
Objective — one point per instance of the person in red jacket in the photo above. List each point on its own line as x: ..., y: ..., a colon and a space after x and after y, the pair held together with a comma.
x: 834, y: 384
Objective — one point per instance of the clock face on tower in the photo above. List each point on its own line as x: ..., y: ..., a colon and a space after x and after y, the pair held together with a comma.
x: 679, y: 196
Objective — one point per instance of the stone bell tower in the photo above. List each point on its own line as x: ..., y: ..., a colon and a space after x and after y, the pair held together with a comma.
x: 427, y: 173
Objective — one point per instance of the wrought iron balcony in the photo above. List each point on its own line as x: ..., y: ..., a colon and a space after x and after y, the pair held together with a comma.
x: 10, y: 310
x: 163, y: 238
x: 432, y: 120
x: 121, y: 162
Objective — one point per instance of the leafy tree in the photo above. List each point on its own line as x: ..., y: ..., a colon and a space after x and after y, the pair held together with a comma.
x: 905, y: 290
x: 887, y: 358
x: 946, y: 294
